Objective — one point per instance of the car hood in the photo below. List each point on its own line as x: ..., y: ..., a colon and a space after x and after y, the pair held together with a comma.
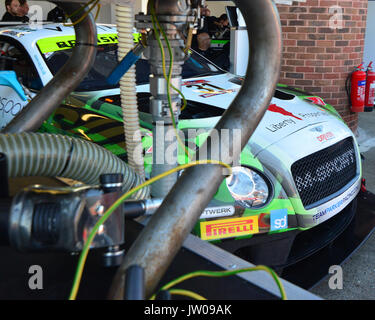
x: 286, y: 114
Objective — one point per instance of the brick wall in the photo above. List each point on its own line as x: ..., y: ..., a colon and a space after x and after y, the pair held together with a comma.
x: 318, y: 56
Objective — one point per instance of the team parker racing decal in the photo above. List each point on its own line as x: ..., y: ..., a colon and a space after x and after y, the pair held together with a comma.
x: 333, y: 207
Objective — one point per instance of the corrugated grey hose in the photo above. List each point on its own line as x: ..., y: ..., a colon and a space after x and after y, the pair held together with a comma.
x: 51, y: 155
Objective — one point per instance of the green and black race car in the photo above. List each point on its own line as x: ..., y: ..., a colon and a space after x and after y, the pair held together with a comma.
x: 301, y: 169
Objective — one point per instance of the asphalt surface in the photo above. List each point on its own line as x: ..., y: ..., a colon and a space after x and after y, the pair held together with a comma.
x: 359, y: 270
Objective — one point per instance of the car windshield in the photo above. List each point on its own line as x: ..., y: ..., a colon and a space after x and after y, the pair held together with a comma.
x: 106, y: 60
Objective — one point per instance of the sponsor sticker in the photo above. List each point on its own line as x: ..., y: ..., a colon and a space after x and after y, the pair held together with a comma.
x: 264, y: 221
x: 317, y: 129
x: 212, y: 94
x: 277, y: 126
x: 194, y: 82
x: 53, y: 44
x: 277, y: 109
x: 279, y: 219
x: 333, y: 207
x: 228, y: 228
x: 215, y: 93
x: 216, y: 212
x: 325, y: 136
x: 316, y: 100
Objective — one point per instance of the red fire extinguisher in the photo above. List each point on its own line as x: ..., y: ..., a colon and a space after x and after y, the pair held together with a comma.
x: 370, y: 89
x: 358, y: 89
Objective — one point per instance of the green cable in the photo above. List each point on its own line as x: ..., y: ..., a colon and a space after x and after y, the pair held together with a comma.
x: 78, y: 10
x: 153, y: 16
x: 187, y: 293
x: 154, y: 19
x: 225, y: 273
x: 168, y: 78
x: 113, y: 207
x: 84, y: 16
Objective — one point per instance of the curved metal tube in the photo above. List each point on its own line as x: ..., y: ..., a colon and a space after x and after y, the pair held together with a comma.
x: 65, y: 81
x: 163, y: 236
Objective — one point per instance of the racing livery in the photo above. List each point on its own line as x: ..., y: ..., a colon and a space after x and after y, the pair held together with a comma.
x: 300, y: 168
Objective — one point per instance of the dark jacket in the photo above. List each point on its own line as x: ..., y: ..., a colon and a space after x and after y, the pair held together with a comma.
x: 8, y: 17
x: 56, y: 15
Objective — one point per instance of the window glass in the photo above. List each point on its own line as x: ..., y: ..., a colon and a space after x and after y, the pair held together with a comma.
x: 14, y: 58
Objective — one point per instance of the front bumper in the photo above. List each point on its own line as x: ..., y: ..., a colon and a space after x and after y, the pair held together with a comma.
x: 304, y: 257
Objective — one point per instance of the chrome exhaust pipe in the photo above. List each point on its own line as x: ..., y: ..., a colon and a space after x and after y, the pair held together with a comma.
x: 162, y: 238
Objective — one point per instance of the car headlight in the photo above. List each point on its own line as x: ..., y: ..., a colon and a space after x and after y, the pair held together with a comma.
x: 248, y: 188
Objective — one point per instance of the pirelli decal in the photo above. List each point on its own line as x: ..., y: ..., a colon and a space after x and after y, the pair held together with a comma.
x: 228, y: 228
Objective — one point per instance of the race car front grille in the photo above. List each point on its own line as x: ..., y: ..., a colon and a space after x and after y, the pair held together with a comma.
x: 323, y: 173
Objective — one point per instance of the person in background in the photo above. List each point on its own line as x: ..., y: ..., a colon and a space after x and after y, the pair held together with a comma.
x: 11, y: 7
x: 203, y: 44
x: 208, y: 19
x: 23, y: 10
x: 205, y: 12
x: 56, y: 15
x: 221, y: 28
x: 16, y: 10
x: 203, y: 47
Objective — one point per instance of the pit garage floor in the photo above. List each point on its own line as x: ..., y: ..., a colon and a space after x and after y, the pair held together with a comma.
x: 359, y: 269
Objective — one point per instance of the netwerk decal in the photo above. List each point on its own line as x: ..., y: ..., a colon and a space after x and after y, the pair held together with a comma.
x: 215, y: 212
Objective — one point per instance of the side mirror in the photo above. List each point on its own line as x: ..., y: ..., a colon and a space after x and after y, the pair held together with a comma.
x: 9, y: 78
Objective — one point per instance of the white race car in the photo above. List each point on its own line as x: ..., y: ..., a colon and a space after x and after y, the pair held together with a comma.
x: 300, y: 169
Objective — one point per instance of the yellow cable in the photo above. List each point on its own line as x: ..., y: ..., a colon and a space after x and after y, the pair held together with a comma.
x: 189, y: 40
x: 167, y: 78
x: 83, y: 17
x: 97, y: 12
x: 187, y: 293
x: 224, y: 273
x: 155, y: 19
x: 115, y: 205
x: 78, y: 10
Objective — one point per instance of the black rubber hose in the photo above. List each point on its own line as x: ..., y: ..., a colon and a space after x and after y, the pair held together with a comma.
x: 135, y: 283
x: 5, y: 205
x: 133, y: 209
